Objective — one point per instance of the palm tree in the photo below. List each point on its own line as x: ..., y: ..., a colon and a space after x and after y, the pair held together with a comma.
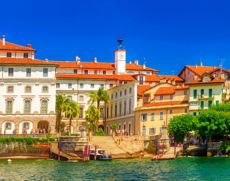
x: 98, y: 97
x: 92, y: 116
x: 72, y: 111
x: 61, y: 103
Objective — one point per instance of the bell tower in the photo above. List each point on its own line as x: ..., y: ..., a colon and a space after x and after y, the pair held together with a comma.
x: 120, y: 58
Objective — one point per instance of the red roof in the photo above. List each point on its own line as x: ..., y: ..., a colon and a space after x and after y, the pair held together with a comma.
x: 182, y: 88
x: 171, y: 77
x: 12, y: 46
x: 200, y: 70
x: 95, y: 76
x: 215, y: 81
x: 98, y: 65
x: 142, y: 88
x: 24, y: 61
x: 165, y: 91
x: 165, y: 103
x: 152, y: 78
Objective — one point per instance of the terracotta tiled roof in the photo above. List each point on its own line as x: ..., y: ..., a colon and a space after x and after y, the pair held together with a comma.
x: 182, y: 88
x: 200, y: 70
x: 215, y: 81
x: 12, y: 46
x: 97, y: 76
x: 99, y: 65
x: 171, y: 77
x: 165, y: 91
x: 142, y: 88
x: 152, y: 78
x: 24, y: 61
x: 165, y: 103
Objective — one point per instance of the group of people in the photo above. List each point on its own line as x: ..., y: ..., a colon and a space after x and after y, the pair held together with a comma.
x: 122, y: 132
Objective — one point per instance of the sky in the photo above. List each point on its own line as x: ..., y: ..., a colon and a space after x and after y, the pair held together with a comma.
x: 163, y: 34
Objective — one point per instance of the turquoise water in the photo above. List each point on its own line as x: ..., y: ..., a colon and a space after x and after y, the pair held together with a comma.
x: 137, y: 169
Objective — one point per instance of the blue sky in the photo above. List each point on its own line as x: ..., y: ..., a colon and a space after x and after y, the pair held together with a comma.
x: 165, y: 34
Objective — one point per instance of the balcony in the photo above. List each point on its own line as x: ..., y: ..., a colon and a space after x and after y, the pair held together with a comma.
x: 205, y: 97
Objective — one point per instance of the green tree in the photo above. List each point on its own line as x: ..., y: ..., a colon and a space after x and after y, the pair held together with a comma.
x: 61, y: 104
x: 97, y: 97
x: 213, y: 124
x: 72, y: 111
x: 113, y: 127
x: 225, y: 107
x: 92, y: 116
x: 180, y: 126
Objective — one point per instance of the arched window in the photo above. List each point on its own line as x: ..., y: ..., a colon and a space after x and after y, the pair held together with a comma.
x: 45, y: 89
x: 28, y: 89
x: 44, y: 106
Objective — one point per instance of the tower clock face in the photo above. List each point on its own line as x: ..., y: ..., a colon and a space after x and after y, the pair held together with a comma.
x: 121, y: 56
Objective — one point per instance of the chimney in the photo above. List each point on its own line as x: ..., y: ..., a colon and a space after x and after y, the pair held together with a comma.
x: 136, y: 62
x: 3, y: 39
x: 46, y: 60
x: 95, y: 59
x: 130, y: 62
x: 29, y: 45
x: 78, y: 59
x: 144, y: 66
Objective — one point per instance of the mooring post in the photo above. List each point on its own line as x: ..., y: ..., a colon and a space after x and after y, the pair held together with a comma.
x: 95, y: 152
x: 59, y: 145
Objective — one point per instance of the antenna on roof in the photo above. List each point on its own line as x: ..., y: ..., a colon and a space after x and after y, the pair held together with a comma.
x: 221, y: 63
x: 201, y: 62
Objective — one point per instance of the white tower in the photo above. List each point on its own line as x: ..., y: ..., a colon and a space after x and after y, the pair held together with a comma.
x: 120, y: 58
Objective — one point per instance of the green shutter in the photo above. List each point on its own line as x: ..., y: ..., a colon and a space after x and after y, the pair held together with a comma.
x: 201, y: 92
x: 209, y: 104
x: 210, y: 93
x: 202, y: 104
x: 195, y: 94
x: 217, y: 103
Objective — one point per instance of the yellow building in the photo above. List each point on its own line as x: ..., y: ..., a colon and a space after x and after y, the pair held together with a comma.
x: 157, y: 105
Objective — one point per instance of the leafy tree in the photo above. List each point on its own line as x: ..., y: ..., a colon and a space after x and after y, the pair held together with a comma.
x: 61, y: 103
x: 97, y: 97
x: 113, y: 127
x: 225, y: 107
x: 92, y: 116
x: 180, y: 126
x: 72, y: 111
x: 213, y: 123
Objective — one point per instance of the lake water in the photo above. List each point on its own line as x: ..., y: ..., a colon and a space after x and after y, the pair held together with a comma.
x: 133, y: 169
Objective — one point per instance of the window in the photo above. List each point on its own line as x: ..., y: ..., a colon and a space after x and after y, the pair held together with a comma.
x: 120, y: 108
x: 26, y: 125
x: 75, y: 71
x: 116, y: 95
x: 81, y: 113
x: 130, y: 106
x: 209, y: 103
x: 160, y: 129
x: 210, y: 93
x: 101, y: 112
x: 171, y: 97
x: 111, y: 111
x: 120, y: 93
x: 104, y: 72
x: 28, y: 72
x: 9, y: 106
x: 86, y: 71
x: 44, y: 106
x: 27, y: 106
x: 8, y: 54
x: 152, y: 116
x: 141, y: 81
x: 69, y: 85
x: 81, y: 98
x: 170, y: 111
x: 102, y: 85
x: 161, y: 115
x: 114, y: 72
x: 124, y: 107
x: 144, y: 117
x: 45, y: 89
x: 10, y: 72
x: 81, y: 85
x: 45, y: 72
x: 10, y: 89
x: 115, y: 110
x: 95, y: 71
x: 152, y: 131
x: 26, y: 55
x: 202, y: 92
x: 111, y: 96
x: 202, y: 104
x: 110, y: 85
x: 28, y: 89
x: 130, y: 90
x: 161, y: 98
x: 8, y: 125
x: 186, y: 110
x: 194, y: 93
x: 217, y: 103
x: 58, y: 85
x: 91, y: 85
x: 125, y: 92
x: 143, y: 130
x: 185, y: 92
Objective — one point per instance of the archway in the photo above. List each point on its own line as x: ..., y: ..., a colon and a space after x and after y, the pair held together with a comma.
x: 43, y: 126
x: 101, y: 126
x: 8, y: 127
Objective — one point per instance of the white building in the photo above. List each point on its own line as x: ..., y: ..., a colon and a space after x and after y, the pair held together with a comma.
x: 27, y: 91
